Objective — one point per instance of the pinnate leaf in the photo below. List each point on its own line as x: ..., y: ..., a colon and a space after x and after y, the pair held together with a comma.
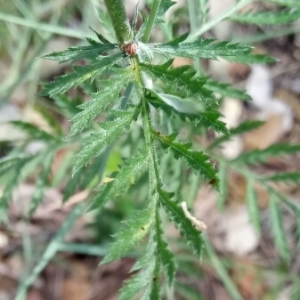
x: 289, y: 177
x: 131, y: 232
x: 256, y: 156
x: 99, y: 102
x: 268, y: 17
x: 249, y: 59
x: 165, y: 255
x: 181, y: 80
x: 174, y: 105
x: 126, y: 176
x: 163, y: 7
x: 202, y: 48
x: 225, y: 90
x: 95, y: 143
x: 81, y: 73
x: 197, y: 160
x: 185, y: 225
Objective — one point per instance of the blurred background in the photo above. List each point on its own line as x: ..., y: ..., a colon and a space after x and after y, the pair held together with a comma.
x: 240, y: 260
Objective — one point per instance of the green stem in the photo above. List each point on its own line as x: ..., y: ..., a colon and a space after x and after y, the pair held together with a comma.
x: 117, y: 13
x: 151, y: 20
x: 207, y: 26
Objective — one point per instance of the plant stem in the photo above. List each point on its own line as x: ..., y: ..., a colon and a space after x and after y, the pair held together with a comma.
x: 207, y: 26
x: 117, y: 13
x: 151, y: 20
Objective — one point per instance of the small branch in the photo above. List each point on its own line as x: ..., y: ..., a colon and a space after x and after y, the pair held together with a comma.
x: 151, y: 20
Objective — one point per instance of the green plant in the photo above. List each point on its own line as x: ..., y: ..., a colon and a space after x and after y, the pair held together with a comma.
x: 164, y: 99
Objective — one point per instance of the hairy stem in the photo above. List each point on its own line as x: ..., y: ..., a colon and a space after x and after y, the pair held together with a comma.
x: 150, y: 23
x: 117, y: 13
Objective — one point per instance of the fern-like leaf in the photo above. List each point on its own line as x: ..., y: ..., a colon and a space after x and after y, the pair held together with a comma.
x: 95, y: 143
x: 185, y: 225
x: 99, y: 102
x: 186, y: 109
x: 81, y: 73
x: 249, y: 59
x: 240, y: 129
x: 269, y: 18
x: 197, y: 160
x: 165, y: 255
x: 256, y: 156
x: 182, y: 81
x: 277, y: 227
x: 131, y: 232
x: 225, y: 90
x: 202, y: 48
x: 126, y: 176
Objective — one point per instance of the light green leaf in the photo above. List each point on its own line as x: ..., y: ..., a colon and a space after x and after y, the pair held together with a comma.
x: 67, y: 107
x: 95, y: 143
x: 202, y: 48
x: 41, y: 182
x: 225, y: 90
x: 277, y: 227
x: 267, y: 17
x: 99, y: 102
x: 289, y: 177
x: 81, y: 73
x: 126, y: 176
x: 195, y: 159
x: 291, y: 3
x: 131, y: 232
x: 163, y: 7
x: 252, y: 203
x: 184, y: 224
x: 222, y: 174
x: 256, y: 156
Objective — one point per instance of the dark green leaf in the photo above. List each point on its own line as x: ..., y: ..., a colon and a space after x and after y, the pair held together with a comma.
x: 184, y: 224
x: 252, y: 59
x: 81, y: 73
x: 225, y: 90
x: 34, y: 132
x: 163, y: 7
x: 68, y: 108
x: 165, y: 255
x: 102, y: 39
x: 182, y: 81
x: 195, y: 159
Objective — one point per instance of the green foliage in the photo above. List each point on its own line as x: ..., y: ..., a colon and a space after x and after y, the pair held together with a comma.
x: 203, y: 48
x: 126, y: 90
x: 256, y: 156
x: 270, y: 18
x: 194, y: 159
